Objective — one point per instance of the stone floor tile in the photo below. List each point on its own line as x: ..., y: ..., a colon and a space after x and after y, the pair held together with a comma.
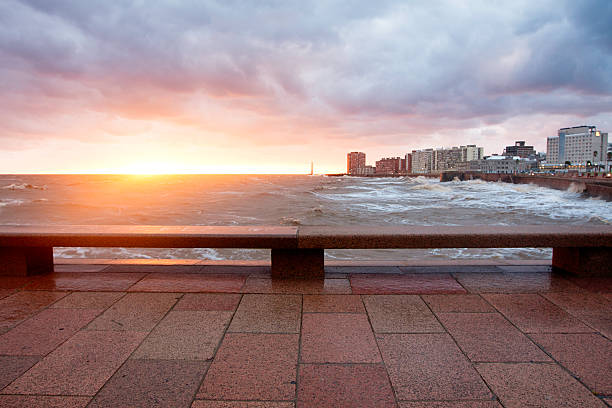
x: 380, y: 269
x: 593, y: 309
x: 88, y: 300
x: 297, y: 286
x: 42, y: 333
x: 6, y: 293
x: 525, y: 268
x: 532, y: 313
x: 241, y: 404
x: 491, y: 338
x: 185, y: 335
x: 80, y: 366
x: 429, y: 367
x: 458, y: 303
x: 536, y: 385
x: 189, y: 282
x: 450, y: 404
x: 268, y: 314
x: 450, y: 269
x: 151, y: 383
x: 253, y: 367
x: 354, y: 385
x: 86, y: 281
x: 594, y: 284
x: 246, y: 269
x: 15, y: 282
x: 588, y: 356
x: 333, y: 304
x: 13, y: 366
x: 153, y: 268
x: 21, y: 305
x: 514, y: 282
x: 400, y: 314
x: 337, y: 338
x: 404, y: 284
x: 39, y: 401
x: 208, y: 301
x: 80, y: 268
x: 136, y: 312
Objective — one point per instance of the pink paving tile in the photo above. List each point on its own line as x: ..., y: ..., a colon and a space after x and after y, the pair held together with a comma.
x: 594, y: 284
x: 21, y: 305
x: 189, y: 282
x: 400, y: 314
x: 536, y: 385
x: 333, y: 304
x: 153, y: 268
x: 185, y: 335
x: 371, y: 284
x: 42, y: 333
x: 241, y: 404
x: 338, y: 338
x: 136, y: 312
x: 355, y: 386
x: 29, y: 401
x: 151, y: 383
x: 489, y: 337
x: 6, y: 293
x: 80, y: 366
x: 15, y: 282
x: 208, y: 301
x: 450, y: 404
x: 430, y: 367
x: 253, y: 367
x: 297, y: 286
x: 86, y: 281
x: 588, y: 356
x: 268, y: 314
x: 88, y: 300
x: 593, y: 309
x: 79, y: 268
x: 13, y: 367
x: 532, y: 313
x: 514, y: 282
x: 458, y: 303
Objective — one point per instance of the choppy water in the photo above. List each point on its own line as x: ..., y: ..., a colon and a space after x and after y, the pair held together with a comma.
x: 289, y: 200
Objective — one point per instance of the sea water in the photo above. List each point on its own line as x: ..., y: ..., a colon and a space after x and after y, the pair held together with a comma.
x: 289, y: 200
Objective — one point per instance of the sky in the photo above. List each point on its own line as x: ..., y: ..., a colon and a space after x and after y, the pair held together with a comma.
x: 268, y: 86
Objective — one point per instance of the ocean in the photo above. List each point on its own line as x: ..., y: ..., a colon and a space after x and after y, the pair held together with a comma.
x: 289, y: 200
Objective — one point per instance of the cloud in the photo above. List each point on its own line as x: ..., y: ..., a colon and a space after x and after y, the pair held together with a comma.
x: 280, y: 72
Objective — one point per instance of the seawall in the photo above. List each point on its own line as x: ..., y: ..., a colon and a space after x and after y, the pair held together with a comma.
x: 589, y: 186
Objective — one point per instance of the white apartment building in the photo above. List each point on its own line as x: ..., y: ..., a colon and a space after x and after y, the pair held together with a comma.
x: 429, y: 160
x: 422, y: 161
x: 578, y: 145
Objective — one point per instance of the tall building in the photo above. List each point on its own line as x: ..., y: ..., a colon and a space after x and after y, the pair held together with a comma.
x: 354, y: 162
x: 519, y: 149
x: 577, y: 145
x: 408, y: 163
x: 422, y: 161
x: 389, y: 165
x: 429, y: 160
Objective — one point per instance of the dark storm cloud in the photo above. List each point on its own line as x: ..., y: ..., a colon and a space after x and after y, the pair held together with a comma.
x: 341, y: 64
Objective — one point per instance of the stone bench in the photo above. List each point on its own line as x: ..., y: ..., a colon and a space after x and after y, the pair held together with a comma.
x: 299, y: 251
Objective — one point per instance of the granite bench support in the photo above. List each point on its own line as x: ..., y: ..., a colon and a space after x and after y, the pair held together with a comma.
x: 299, y: 252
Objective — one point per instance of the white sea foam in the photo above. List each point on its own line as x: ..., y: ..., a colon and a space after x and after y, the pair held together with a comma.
x: 23, y: 186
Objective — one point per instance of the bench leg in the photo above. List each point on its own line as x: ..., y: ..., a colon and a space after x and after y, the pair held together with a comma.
x: 583, y: 261
x: 297, y: 263
x: 26, y: 261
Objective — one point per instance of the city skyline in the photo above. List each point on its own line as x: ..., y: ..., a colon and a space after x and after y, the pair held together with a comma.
x: 212, y: 87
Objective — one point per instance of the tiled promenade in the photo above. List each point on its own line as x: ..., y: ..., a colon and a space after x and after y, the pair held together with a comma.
x: 181, y: 334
